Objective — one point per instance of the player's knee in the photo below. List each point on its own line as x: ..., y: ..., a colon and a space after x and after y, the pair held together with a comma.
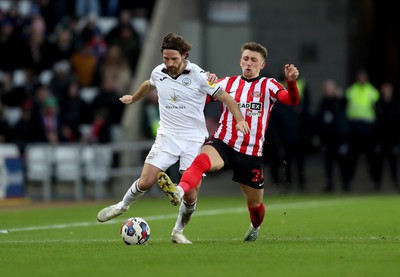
x: 191, y: 196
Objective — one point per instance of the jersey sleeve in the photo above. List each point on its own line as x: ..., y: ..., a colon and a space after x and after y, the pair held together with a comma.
x: 290, y: 96
x: 210, y: 89
x: 153, y: 78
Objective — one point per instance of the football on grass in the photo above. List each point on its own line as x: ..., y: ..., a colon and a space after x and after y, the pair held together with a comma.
x: 135, y: 230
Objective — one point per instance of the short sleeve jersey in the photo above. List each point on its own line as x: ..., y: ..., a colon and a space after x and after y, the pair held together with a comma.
x: 181, y: 101
x: 255, y: 98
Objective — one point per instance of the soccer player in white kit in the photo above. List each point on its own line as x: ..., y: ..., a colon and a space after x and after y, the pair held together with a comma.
x: 241, y: 152
x: 182, y: 89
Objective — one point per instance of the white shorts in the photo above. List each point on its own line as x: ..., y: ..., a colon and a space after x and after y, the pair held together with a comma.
x: 166, y: 151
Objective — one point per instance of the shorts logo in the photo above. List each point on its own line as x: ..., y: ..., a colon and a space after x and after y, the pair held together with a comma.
x: 186, y: 81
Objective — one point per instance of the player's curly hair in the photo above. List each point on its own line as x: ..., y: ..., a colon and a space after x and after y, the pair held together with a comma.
x: 175, y: 42
x: 256, y: 47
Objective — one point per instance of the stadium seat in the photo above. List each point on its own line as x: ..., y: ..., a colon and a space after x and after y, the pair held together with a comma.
x: 97, y: 163
x: 39, y: 164
x: 9, y: 150
x: 67, y: 166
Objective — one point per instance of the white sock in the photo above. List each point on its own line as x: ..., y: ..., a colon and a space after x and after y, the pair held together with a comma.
x: 133, y: 194
x: 184, y: 215
x: 181, y: 192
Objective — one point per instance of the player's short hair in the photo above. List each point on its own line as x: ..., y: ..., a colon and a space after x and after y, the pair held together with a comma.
x: 256, y: 47
x: 175, y: 42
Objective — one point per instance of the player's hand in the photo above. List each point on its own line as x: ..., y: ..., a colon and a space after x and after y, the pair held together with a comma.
x: 291, y: 72
x: 243, y: 127
x: 126, y: 99
x: 212, y: 78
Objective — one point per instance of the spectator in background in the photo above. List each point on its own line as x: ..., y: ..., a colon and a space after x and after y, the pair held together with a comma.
x: 108, y: 100
x: 61, y: 79
x: 9, y: 45
x: 98, y: 45
x: 88, y: 27
x: 101, y: 130
x: 84, y: 65
x: 24, y: 130
x: 290, y: 137
x: 127, y: 39
x: 115, y: 67
x: 63, y: 44
x: 49, y: 121
x: 124, y: 19
x: 74, y: 111
x: 41, y: 51
x: 361, y: 98
x: 387, y: 134
x: 47, y: 11
x: 332, y: 130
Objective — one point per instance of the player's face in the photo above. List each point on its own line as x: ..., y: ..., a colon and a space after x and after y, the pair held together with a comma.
x: 174, y: 61
x: 251, y: 63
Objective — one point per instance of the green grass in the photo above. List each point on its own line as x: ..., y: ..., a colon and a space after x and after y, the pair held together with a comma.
x: 301, y: 236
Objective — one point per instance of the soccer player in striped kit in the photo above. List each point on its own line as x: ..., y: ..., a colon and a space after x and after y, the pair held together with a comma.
x: 230, y: 148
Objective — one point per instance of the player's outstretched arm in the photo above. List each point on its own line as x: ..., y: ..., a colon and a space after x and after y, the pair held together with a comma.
x: 233, y: 107
x: 144, y: 89
x: 290, y: 96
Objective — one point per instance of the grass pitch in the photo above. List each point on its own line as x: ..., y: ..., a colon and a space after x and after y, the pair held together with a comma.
x: 300, y: 236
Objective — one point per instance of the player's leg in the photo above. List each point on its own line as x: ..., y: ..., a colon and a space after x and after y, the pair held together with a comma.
x: 134, y: 193
x: 208, y: 160
x: 159, y: 159
x: 186, y: 210
x: 188, y: 205
x: 248, y: 171
x: 254, y: 200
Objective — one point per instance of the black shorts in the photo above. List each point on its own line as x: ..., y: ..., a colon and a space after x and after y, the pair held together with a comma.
x: 247, y: 170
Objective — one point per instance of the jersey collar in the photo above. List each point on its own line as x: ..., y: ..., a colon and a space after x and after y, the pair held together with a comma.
x: 251, y: 80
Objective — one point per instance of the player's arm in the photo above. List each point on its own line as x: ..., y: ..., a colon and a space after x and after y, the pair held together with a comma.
x: 233, y: 107
x: 144, y: 89
x: 290, y: 96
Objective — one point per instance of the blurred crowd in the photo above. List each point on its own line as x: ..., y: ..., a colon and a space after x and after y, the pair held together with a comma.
x: 64, y: 65
x: 358, y: 123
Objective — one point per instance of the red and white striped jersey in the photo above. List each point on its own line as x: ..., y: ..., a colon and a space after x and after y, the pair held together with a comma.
x: 255, y: 98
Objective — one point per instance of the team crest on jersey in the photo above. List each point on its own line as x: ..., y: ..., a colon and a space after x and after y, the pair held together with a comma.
x: 186, y: 81
x: 256, y: 94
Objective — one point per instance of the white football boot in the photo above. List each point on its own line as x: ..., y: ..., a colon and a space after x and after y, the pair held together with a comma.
x: 111, y: 212
x: 252, y: 233
x: 179, y: 237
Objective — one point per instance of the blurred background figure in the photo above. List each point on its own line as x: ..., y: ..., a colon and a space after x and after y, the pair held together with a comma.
x: 387, y: 134
x: 288, y: 140
x: 332, y: 130
x: 361, y: 99
x: 84, y: 7
x: 115, y: 67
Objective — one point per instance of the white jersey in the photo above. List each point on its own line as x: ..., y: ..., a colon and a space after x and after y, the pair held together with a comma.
x: 181, y: 101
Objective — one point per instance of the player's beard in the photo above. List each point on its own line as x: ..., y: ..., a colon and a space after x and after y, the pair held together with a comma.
x: 175, y: 70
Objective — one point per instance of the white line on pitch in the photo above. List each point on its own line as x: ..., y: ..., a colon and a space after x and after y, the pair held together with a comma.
x: 270, y: 207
